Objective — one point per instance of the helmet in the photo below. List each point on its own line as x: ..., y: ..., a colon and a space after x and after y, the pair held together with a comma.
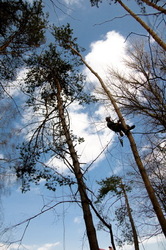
x: 107, y: 118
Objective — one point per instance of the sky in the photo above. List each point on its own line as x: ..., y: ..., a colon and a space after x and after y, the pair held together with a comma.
x: 62, y: 227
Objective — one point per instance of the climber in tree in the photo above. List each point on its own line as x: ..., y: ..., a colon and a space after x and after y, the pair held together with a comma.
x: 118, y: 127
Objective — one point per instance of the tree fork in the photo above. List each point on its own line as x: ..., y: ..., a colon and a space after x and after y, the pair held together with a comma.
x: 91, y: 232
x: 142, y: 170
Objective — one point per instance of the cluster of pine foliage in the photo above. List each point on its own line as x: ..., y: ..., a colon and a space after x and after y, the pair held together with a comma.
x: 51, y: 82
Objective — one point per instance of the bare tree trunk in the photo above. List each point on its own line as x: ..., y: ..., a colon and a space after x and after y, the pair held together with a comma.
x: 144, y: 25
x: 142, y: 170
x: 91, y: 232
x: 155, y: 6
x: 147, y: 183
x: 109, y: 226
x: 135, y: 236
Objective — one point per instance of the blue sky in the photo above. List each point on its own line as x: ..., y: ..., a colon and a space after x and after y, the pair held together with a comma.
x: 62, y: 228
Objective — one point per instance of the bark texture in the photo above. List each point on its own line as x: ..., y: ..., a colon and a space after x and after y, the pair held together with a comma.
x: 91, y: 232
x: 144, y: 25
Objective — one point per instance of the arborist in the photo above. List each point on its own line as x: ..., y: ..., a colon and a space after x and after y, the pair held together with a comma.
x: 117, y: 127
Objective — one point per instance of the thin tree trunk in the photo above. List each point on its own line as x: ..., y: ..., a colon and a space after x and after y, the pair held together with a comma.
x: 135, y: 236
x: 91, y: 232
x: 155, y: 6
x: 109, y: 226
x: 144, y: 25
x: 142, y: 170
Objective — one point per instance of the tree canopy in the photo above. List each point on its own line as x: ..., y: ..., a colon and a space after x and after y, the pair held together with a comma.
x: 22, y: 29
x: 50, y: 87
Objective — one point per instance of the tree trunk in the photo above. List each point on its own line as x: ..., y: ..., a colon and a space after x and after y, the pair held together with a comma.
x: 135, y: 236
x: 155, y: 6
x: 142, y: 170
x: 91, y: 232
x: 109, y: 226
x: 147, y: 183
x: 144, y: 25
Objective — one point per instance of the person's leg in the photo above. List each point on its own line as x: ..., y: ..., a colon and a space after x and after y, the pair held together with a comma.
x: 129, y: 128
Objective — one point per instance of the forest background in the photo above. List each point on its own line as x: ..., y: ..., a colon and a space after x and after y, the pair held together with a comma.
x: 67, y: 181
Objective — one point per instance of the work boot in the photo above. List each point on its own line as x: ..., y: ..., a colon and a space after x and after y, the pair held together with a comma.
x: 129, y: 128
x: 132, y: 127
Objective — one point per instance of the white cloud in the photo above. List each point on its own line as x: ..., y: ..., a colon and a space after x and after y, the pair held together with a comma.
x: 13, y: 87
x: 49, y: 246
x: 57, y: 164
x: 154, y: 243
x: 106, y: 53
x: 72, y: 2
x: 93, y: 129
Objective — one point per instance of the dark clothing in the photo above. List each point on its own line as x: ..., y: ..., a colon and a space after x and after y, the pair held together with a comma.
x: 118, y: 127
